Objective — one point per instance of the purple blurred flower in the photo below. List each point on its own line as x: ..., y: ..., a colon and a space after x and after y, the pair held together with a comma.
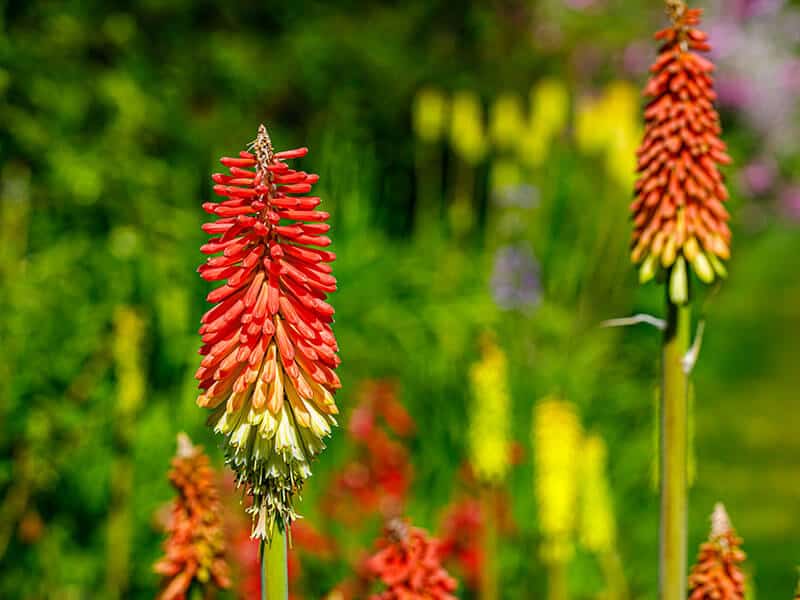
x: 637, y: 58
x: 748, y: 9
x: 516, y: 196
x: 735, y: 92
x: 515, y: 279
x: 758, y: 177
x: 791, y: 76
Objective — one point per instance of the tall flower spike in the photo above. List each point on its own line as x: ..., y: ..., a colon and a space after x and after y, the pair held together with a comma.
x: 195, y: 548
x: 269, y: 350
x: 408, y: 565
x: 489, y: 428
x: 556, y: 436
x: 717, y: 574
x: 598, y: 529
x: 678, y: 213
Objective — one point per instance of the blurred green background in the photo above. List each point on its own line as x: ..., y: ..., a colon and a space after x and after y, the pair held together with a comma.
x: 477, y: 162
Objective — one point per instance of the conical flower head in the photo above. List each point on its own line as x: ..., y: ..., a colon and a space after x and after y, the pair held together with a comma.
x: 195, y: 548
x: 717, y: 574
x: 489, y: 428
x: 678, y: 213
x: 409, y: 566
x: 270, y: 353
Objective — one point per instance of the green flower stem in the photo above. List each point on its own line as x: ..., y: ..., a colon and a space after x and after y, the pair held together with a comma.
x: 674, y: 454
x: 274, y: 576
x: 428, y: 212
x: 617, y: 587
x: 489, y: 577
x: 557, y: 588
x: 461, y: 210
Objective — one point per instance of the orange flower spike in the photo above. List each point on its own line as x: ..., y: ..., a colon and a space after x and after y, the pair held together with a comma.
x: 409, y: 566
x: 717, y: 574
x: 195, y: 548
x: 678, y: 211
x: 269, y: 349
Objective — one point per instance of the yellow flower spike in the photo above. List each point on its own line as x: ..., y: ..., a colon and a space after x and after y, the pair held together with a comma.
x: 126, y: 349
x: 610, y: 125
x: 504, y: 173
x: 507, y: 121
x: 429, y: 114
x: 598, y: 532
x: 549, y: 106
x: 590, y: 131
x: 466, y: 127
x: 533, y: 146
x: 556, y: 436
x: 621, y: 114
x: 489, y: 428
x: 622, y: 99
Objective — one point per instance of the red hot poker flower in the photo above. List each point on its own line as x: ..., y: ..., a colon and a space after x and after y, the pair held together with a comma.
x: 678, y: 213
x: 409, y: 566
x: 269, y: 350
x: 195, y: 548
x: 717, y: 574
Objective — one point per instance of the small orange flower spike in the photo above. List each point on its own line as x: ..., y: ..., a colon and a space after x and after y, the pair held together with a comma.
x: 717, y: 574
x: 195, y: 548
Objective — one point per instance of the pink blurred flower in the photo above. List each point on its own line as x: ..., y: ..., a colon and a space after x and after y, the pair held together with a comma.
x: 758, y: 177
x: 790, y: 202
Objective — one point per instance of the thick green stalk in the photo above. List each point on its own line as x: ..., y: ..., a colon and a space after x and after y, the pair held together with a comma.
x: 489, y: 578
x: 674, y: 454
x: 274, y: 576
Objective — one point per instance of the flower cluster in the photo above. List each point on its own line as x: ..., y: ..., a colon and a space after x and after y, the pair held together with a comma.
x: 678, y: 213
x: 408, y: 565
x: 269, y: 350
x: 717, y: 574
x: 195, y: 548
